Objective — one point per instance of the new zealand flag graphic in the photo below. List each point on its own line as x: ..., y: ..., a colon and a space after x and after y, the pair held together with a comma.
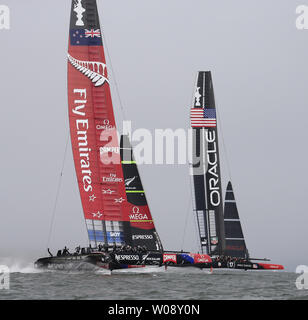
x: 85, y: 37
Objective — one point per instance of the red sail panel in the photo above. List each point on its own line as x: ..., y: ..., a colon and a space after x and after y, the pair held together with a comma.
x: 92, y: 125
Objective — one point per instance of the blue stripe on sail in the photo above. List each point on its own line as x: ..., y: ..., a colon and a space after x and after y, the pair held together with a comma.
x: 96, y: 235
x: 115, y: 236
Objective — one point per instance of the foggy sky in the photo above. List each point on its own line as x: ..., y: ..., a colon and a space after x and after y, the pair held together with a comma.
x: 259, y: 66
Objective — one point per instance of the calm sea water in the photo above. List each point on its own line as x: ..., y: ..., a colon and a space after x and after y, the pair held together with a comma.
x: 175, y: 283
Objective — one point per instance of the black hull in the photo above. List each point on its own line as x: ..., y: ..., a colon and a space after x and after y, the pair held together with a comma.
x: 74, y: 262
x: 123, y: 260
x: 114, y: 260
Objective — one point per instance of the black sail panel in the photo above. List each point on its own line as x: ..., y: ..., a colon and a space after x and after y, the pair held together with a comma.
x: 205, y: 167
x: 235, y: 242
x: 143, y: 230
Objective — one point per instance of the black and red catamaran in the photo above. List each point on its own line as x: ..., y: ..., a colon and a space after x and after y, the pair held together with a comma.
x: 119, y: 223
x: 220, y: 231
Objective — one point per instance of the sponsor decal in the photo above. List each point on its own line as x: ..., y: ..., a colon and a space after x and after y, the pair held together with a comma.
x: 150, y: 258
x: 142, y: 237
x: 169, y: 258
x: 115, y: 234
x: 96, y: 71
x: 212, y: 159
x: 202, y: 258
x: 82, y: 126
x: 112, y: 178
x: 214, y: 241
x: 235, y: 248
x: 80, y: 10
x: 109, y: 149
x: 242, y: 265
x: 137, y: 216
x: 126, y: 257
x: 129, y: 181
x: 105, y: 126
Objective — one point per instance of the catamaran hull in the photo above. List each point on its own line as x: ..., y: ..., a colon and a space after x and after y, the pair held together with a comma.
x: 78, y: 262
x: 246, y: 266
x: 116, y: 261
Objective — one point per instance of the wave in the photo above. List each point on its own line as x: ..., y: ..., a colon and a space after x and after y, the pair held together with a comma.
x: 17, y: 265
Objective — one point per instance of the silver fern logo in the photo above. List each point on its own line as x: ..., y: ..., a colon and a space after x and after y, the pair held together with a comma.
x: 94, y: 70
x: 129, y: 181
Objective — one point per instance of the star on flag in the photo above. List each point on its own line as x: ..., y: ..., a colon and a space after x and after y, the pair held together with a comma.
x: 108, y: 191
x: 97, y: 214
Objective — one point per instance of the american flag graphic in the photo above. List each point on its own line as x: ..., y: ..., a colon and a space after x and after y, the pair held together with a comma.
x: 203, y: 118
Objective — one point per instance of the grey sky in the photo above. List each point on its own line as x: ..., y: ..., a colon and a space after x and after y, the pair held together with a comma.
x: 259, y: 66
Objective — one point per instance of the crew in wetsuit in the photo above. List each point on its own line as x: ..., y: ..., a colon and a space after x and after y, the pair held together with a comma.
x: 65, y: 251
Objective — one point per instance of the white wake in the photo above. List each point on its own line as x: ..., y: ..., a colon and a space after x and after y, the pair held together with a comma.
x: 16, y: 265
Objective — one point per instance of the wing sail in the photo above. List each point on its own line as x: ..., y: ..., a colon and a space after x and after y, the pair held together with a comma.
x: 205, y: 167
x: 95, y: 146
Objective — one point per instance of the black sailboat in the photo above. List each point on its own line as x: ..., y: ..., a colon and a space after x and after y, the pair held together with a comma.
x: 220, y: 231
x: 235, y: 241
x: 205, y: 168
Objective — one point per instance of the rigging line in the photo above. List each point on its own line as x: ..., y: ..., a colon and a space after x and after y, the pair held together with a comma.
x: 58, y: 191
x: 191, y: 194
x: 195, y: 218
x: 223, y: 143
x: 114, y: 79
x: 186, y: 218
